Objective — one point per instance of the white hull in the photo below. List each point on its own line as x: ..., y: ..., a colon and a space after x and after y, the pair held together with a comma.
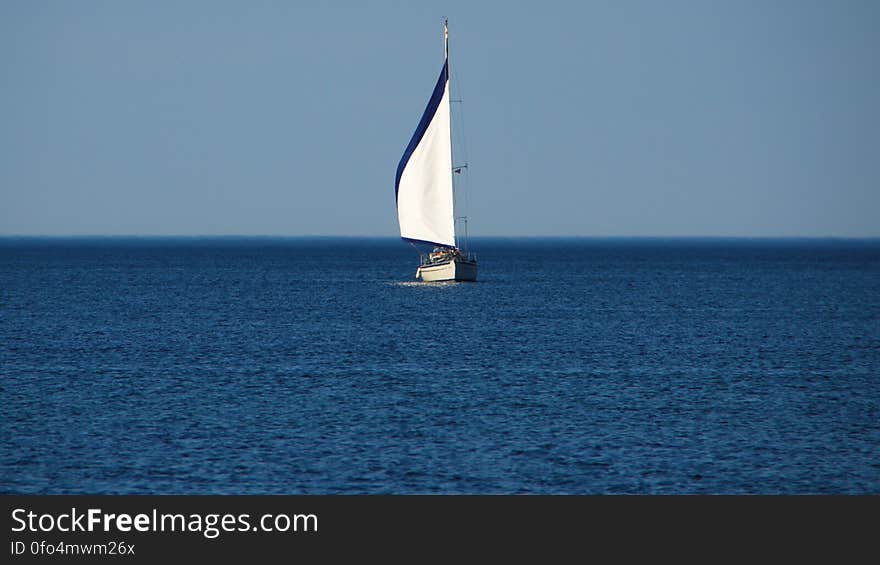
x: 453, y: 270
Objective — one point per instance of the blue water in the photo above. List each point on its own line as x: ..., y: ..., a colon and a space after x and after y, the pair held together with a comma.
x: 318, y: 366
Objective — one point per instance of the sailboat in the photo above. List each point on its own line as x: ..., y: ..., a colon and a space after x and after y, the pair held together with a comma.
x: 425, y: 194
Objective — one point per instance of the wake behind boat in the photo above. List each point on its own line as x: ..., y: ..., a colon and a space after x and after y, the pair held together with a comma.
x: 425, y: 193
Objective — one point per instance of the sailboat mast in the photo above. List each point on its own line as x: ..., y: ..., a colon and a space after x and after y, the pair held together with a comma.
x: 452, y: 174
x: 446, y: 43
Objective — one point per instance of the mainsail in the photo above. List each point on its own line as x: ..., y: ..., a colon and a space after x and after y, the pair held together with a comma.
x: 424, y: 174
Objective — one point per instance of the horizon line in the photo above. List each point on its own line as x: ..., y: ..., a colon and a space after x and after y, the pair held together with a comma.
x: 477, y: 237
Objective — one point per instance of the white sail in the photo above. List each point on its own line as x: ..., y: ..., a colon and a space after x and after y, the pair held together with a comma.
x: 424, y: 174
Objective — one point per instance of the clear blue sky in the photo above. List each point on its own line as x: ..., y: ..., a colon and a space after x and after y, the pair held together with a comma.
x: 733, y: 118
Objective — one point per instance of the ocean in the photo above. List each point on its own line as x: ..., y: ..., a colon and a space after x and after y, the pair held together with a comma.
x: 319, y: 366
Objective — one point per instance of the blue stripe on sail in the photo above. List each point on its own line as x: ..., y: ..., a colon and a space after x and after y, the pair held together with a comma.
x: 426, y: 242
x: 430, y: 110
